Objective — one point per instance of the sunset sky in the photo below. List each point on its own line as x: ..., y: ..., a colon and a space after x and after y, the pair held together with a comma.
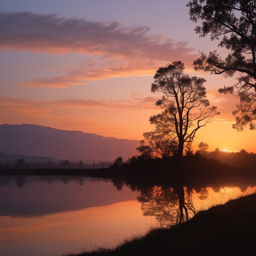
x: 88, y: 65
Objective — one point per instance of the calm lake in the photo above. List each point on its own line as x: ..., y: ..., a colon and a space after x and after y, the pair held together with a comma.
x: 55, y: 215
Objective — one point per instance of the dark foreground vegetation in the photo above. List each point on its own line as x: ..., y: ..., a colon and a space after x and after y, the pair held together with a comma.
x: 226, y: 229
x: 141, y: 169
x: 140, y: 166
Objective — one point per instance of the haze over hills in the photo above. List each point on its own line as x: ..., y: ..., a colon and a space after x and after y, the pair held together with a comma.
x: 35, y: 140
x: 4, y: 158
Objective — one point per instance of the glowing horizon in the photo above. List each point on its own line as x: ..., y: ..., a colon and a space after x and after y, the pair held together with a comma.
x: 73, y: 67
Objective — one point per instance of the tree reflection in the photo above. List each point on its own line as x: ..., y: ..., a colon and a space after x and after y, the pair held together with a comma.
x: 118, y: 183
x: 203, y: 194
x: 20, y: 181
x: 170, y: 206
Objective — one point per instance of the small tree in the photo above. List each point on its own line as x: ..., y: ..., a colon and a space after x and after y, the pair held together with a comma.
x: 161, y: 142
x: 232, y: 22
x: 64, y: 164
x: 243, y: 152
x: 80, y: 164
x: 217, y: 150
x: 184, y: 102
x: 203, y: 148
x: 20, y: 164
x: 118, y: 161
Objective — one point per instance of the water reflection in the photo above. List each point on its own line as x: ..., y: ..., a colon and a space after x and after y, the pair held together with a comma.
x: 32, y: 196
x: 170, y: 203
x: 170, y: 206
x: 50, y: 214
x: 174, y: 205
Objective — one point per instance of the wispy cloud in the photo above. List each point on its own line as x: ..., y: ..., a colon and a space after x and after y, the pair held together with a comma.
x: 96, y: 71
x: 226, y: 105
x: 54, y: 35
x: 134, y: 103
x: 97, y: 116
x: 125, y: 51
x: 10, y: 103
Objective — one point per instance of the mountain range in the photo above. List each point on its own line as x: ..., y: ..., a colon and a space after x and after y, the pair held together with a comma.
x: 40, y: 141
x: 4, y: 158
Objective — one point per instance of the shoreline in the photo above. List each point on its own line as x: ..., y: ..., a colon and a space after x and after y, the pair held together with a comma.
x: 228, y: 228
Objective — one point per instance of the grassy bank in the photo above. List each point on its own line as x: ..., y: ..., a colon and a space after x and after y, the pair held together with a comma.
x: 225, y: 229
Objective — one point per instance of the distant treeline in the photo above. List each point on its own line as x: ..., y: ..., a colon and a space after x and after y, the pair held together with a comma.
x: 173, y: 164
x: 208, y: 162
x: 240, y: 159
x: 22, y: 164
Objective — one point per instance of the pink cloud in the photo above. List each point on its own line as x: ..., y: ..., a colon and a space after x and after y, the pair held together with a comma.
x: 97, y: 71
x: 226, y: 105
x: 129, y: 117
x: 54, y: 35
x: 131, y: 50
x: 119, y: 118
x: 8, y: 103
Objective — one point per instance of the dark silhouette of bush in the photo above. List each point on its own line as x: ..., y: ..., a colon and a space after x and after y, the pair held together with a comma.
x: 189, y: 164
x: 20, y: 164
x: 240, y: 159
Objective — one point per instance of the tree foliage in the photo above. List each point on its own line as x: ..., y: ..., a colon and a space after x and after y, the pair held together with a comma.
x: 186, y: 108
x: 233, y: 23
x: 167, y: 205
x: 20, y: 163
x: 161, y: 142
x: 203, y: 148
x: 119, y: 161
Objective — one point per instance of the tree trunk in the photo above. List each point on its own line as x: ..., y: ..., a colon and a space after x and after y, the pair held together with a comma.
x: 181, y: 195
x: 180, y: 148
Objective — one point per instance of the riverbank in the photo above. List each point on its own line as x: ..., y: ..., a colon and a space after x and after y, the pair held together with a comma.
x: 224, y: 229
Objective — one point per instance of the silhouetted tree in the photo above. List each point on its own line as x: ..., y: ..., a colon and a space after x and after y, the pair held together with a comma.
x: 233, y: 23
x: 6, y: 165
x: 50, y: 165
x: 64, y: 164
x: 217, y: 150
x: 161, y: 142
x: 132, y: 160
x: 80, y: 164
x: 184, y: 103
x: 203, y: 148
x: 243, y: 151
x: 118, y: 161
x: 189, y: 151
x: 20, y: 163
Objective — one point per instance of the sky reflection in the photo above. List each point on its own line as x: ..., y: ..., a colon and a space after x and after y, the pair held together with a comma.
x: 55, y: 215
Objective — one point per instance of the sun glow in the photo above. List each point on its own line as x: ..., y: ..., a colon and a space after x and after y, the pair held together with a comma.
x: 224, y: 150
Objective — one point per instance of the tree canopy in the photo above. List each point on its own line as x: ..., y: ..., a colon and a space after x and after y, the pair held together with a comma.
x: 203, y: 147
x: 162, y: 141
x: 186, y: 108
x: 233, y: 23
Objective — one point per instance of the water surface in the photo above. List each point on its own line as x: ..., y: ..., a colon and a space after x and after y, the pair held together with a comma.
x: 55, y: 215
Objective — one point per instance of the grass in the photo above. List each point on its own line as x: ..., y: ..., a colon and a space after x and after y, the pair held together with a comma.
x: 223, y: 229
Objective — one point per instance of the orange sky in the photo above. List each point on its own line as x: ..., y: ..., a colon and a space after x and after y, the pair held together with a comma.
x: 74, y: 67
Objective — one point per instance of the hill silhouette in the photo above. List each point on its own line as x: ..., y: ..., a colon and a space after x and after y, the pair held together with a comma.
x: 35, y: 140
x: 240, y: 159
x: 28, y: 159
